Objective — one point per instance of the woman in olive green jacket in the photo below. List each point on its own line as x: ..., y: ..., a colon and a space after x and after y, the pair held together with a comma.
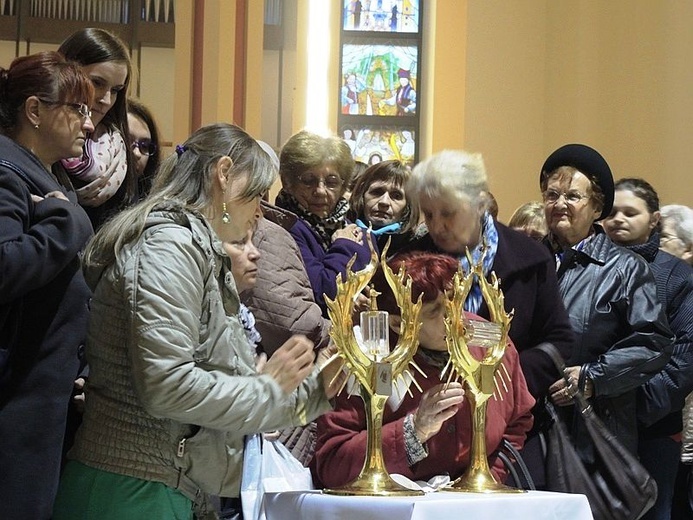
x: 173, y: 387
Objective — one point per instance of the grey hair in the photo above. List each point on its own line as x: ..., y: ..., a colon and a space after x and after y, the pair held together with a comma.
x: 450, y: 173
x: 681, y: 218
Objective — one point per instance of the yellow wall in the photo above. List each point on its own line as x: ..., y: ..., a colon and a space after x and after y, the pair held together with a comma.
x: 253, y: 81
x: 182, y: 69
x: 505, y: 95
x: 442, y: 105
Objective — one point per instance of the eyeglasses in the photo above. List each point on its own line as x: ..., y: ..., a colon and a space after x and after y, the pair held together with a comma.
x: 571, y: 197
x: 145, y: 146
x: 81, y: 108
x: 666, y: 238
x: 331, y: 182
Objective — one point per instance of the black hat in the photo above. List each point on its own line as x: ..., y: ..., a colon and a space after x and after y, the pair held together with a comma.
x: 588, y: 161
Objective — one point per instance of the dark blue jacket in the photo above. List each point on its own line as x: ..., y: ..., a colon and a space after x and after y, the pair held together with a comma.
x: 41, y: 284
x: 661, y: 399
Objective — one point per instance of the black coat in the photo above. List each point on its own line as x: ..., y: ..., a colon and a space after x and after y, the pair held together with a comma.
x: 42, y: 286
x: 661, y: 399
x: 622, y: 335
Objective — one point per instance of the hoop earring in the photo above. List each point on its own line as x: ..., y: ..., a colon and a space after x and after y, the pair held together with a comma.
x: 225, y: 217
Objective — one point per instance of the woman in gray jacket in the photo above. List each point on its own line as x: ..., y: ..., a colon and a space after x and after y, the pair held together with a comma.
x: 173, y: 387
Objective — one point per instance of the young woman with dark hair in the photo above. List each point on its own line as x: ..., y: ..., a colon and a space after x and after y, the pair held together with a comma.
x: 104, y: 173
x: 634, y: 223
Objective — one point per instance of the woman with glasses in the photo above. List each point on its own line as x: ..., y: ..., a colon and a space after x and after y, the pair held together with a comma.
x: 622, y: 335
x: 315, y: 172
x: 144, y: 144
x: 677, y: 231
x: 44, y: 117
x: 104, y: 173
x: 451, y: 189
x: 634, y: 224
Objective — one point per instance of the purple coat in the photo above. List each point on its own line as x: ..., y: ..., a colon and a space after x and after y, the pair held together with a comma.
x: 324, y: 266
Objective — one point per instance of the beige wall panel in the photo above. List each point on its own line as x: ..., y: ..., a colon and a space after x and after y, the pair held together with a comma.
x: 620, y: 80
x: 7, y: 53
x: 505, y: 90
x: 445, y: 74
x: 182, y: 87
x: 157, y: 81
x: 219, y: 61
x: 270, y: 97
x: 254, y: 68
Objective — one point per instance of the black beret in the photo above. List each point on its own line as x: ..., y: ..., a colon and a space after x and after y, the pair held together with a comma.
x: 588, y: 161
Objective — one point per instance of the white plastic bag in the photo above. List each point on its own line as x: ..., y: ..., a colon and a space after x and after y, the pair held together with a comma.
x: 269, y: 467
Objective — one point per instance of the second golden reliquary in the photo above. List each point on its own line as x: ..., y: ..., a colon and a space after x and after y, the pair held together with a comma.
x: 484, y: 378
x: 373, y: 365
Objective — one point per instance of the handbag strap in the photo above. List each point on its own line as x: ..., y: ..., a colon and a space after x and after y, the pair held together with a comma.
x: 550, y: 350
x: 512, y: 470
x: 573, y: 390
x: 507, y: 445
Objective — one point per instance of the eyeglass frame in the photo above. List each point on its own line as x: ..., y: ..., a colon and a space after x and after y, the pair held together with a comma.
x: 138, y: 143
x: 82, y: 108
x: 316, y: 181
x: 665, y: 237
x: 567, y: 196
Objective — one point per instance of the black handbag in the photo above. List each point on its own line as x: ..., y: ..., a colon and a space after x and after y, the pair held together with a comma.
x: 617, y: 486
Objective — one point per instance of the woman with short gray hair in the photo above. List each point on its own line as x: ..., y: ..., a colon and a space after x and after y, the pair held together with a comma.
x: 451, y: 189
x: 676, y: 237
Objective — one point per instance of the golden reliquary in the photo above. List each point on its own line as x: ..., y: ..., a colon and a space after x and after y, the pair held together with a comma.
x: 375, y: 367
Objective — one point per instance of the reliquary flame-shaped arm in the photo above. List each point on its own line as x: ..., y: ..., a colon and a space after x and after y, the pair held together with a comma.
x: 482, y: 376
x: 340, y: 311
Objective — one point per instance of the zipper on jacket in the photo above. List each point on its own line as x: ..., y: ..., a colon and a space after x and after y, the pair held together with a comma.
x: 181, y: 447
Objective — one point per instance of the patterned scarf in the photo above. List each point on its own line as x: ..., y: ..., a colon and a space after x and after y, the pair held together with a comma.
x: 248, y: 321
x: 101, y: 170
x: 323, y: 227
x: 490, y: 240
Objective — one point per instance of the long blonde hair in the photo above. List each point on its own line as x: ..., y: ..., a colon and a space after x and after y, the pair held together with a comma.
x: 184, y: 181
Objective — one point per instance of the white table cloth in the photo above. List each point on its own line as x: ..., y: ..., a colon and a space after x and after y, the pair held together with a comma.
x: 533, y: 505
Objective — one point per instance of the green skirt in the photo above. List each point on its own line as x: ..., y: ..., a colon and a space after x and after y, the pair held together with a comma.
x: 87, y: 493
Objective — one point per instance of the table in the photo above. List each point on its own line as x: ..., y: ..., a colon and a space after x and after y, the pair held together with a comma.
x: 534, y: 505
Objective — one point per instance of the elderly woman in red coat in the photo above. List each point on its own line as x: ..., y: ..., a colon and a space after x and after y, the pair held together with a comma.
x: 427, y: 434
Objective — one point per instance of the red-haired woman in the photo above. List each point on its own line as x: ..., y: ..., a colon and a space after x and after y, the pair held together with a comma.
x: 427, y: 434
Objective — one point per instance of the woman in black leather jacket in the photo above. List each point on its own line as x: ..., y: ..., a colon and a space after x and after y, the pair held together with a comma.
x: 622, y: 336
